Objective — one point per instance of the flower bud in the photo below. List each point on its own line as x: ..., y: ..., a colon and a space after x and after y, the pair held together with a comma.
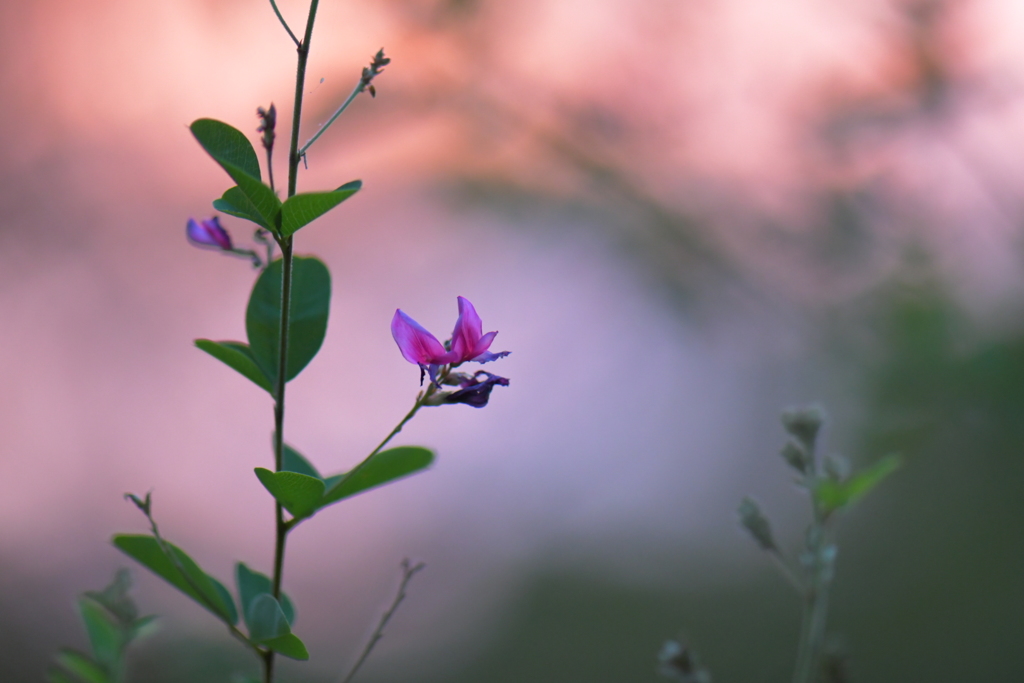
x: 756, y: 523
x: 208, y: 234
x: 796, y: 456
x: 804, y: 423
x: 268, y: 121
x: 837, y: 468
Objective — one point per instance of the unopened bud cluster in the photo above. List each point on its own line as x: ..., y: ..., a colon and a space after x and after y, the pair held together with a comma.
x: 372, y: 71
x: 268, y: 122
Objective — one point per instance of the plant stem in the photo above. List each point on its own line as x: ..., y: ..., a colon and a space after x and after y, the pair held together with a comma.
x: 786, y: 571
x: 281, y: 527
x: 812, y: 630
x: 283, y: 22
x: 416, y: 406
x: 300, y: 84
x: 270, y: 168
x: 198, y: 590
x: 408, y: 571
x: 344, y: 105
x: 282, y: 379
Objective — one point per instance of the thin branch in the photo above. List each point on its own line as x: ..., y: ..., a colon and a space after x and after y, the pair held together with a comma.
x: 420, y: 401
x: 284, y: 23
x: 344, y: 105
x: 145, y: 508
x: 408, y: 571
x: 787, y: 572
x: 365, y: 84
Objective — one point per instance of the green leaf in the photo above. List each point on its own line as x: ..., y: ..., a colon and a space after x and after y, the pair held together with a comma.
x: 300, y: 494
x: 382, y: 468
x: 302, y: 209
x: 310, y: 305
x: 208, y: 592
x: 82, y: 666
x: 264, y: 202
x: 288, y: 645
x: 227, y: 144
x: 235, y: 154
x: 293, y: 461
x: 235, y: 203
x: 225, y: 598
x: 106, y: 637
x: 55, y: 675
x: 251, y: 584
x: 237, y: 356
x: 115, y: 598
x: 266, y: 619
x: 143, y: 627
x: 832, y: 495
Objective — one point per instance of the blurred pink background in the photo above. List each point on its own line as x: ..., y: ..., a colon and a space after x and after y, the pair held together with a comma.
x: 625, y: 424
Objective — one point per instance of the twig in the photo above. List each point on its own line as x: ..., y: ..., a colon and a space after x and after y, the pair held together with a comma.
x: 146, y: 509
x: 365, y: 84
x: 408, y: 571
x: 284, y: 23
x: 787, y: 571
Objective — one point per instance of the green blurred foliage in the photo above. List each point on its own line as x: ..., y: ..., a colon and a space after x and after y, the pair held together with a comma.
x: 929, y: 579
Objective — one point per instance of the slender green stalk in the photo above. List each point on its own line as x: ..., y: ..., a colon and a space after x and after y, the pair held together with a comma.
x: 300, y: 84
x: 284, y: 23
x: 360, y: 87
x: 420, y: 400
x: 786, y: 571
x: 281, y: 527
x: 270, y: 168
x: 282, y: 380
x: 200, y: 593
x: 408, y: 571
x: 812, y: 630
x: 416, y: 406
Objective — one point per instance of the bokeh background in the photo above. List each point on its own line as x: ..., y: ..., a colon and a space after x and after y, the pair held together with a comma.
x: 681, y: 216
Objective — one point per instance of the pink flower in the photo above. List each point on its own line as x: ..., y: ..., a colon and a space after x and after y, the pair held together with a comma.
x: 208, y: 234
x: 468, y: 342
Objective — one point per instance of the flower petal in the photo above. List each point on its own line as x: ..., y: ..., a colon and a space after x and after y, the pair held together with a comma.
x: 488, y: 356
x: 467, y: 333
x: 416, y: 344
x: 208, y: 233
x: 477, y: 394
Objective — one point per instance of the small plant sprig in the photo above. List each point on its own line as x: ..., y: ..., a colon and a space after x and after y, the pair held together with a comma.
x: 286, y: 321
x: 112, y: 623
x: 832, y: 487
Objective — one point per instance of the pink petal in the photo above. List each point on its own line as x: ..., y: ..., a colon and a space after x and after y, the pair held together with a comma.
x: 208, y: 233
x: 467, y: 333
x: 482, y: 344
x: 416, y: 344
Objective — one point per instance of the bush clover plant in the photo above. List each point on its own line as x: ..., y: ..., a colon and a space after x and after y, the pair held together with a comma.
x: 831, y: 487
x: 285, y: 321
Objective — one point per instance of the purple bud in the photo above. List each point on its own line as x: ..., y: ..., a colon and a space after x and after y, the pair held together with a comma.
x: 476, y: 393
x: 208, y: 234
